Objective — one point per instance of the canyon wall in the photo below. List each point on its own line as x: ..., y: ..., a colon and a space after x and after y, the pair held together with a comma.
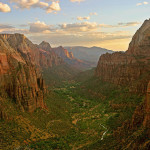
x: 125, y: 68
x: 131, y: 69
x: 19, y: 77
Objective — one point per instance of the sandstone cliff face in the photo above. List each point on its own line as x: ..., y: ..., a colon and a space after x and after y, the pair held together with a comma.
x: 19, y: 78
x: 135, y: 133
x: 37, y: 55
x: 132, y: 69
x: 45, y: 46
x: 146, y: 122
x: 128, y: 67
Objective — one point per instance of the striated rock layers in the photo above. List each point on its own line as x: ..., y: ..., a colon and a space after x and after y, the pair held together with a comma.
x: 132, y: 69
x: 125, y: 68
x: 20, y: 77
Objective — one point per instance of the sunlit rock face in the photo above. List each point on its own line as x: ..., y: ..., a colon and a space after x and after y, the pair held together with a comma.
x: 45, y: 46
x: 126, y: 68
x: 131, y: 69
x: 19, y: 78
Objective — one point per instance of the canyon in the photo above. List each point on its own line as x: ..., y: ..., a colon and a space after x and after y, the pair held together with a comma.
x: 86, y: 109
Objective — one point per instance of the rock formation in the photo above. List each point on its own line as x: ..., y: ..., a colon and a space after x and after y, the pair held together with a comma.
x: 146, y: 122
x: 19, y: 77
x: 90, y: 54
x: 131, y: 69
x: 126, y: 68
x: 69, y: 58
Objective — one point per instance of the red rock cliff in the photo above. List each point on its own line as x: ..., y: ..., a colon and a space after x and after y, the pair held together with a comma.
x: 132, y: 69
x: 125, y: 68
x: 19, y: 78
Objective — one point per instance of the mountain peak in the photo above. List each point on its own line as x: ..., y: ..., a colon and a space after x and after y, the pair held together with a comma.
x: 16, y: 35
x: 44, y: 45
x: 141, y: 37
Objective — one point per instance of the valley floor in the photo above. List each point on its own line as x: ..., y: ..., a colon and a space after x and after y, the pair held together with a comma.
x: 75, y: 116
x: 81, y: 121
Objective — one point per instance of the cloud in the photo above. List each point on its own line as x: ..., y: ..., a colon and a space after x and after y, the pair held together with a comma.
x: 87, y: 17
x: 39, y: 27
x: 41, y: 5
x: 144, y: 3
x: 93, y: 14
x: 128, y: 24
x: 79, y: 27
x: 84, y: 39
x: 139, y: 4
x: 27, y: 4
x: 77, y: 1
x: 4, y: 7
x: 83, y: 18
x: 31, y: 28
x: 4, y: 26
x: 83, y: 33
x: 53, y: 7
x: 70, y: 28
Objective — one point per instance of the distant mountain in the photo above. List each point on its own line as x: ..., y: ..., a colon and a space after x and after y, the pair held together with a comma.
x: 70, y: 59
x: 88, y: 54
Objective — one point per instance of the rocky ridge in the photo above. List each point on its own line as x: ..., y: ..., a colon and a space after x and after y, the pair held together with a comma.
x: 69, y: 58
x: 126, y: 68
x: 20, y: 78
x: 131, y: 69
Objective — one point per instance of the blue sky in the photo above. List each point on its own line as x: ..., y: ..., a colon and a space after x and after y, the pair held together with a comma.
x: 105, y: 23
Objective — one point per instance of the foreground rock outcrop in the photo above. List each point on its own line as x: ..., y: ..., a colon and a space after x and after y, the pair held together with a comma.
x: 125, y: 68
x: 131, y: 69
x: 19, y: 77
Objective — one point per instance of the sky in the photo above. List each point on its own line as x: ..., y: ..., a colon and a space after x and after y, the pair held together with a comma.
x: 104, y: 23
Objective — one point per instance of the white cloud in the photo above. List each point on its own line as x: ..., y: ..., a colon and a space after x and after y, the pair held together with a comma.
x: 138, y: 4
x: 53, y: 7
x: 27, y: 4
x: 128, y: 24
x: 83, y: 18
x: 84, y: 39
x: 70, y: 28
x: 4, y: 28
x: 143, y: 3
x: 41, y: 4
x: 77, y: 1
x: 83, y: 33
x: 39, y: 27
x: 79, y: 27
x: 4, y: 7
x: 87, y: 17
